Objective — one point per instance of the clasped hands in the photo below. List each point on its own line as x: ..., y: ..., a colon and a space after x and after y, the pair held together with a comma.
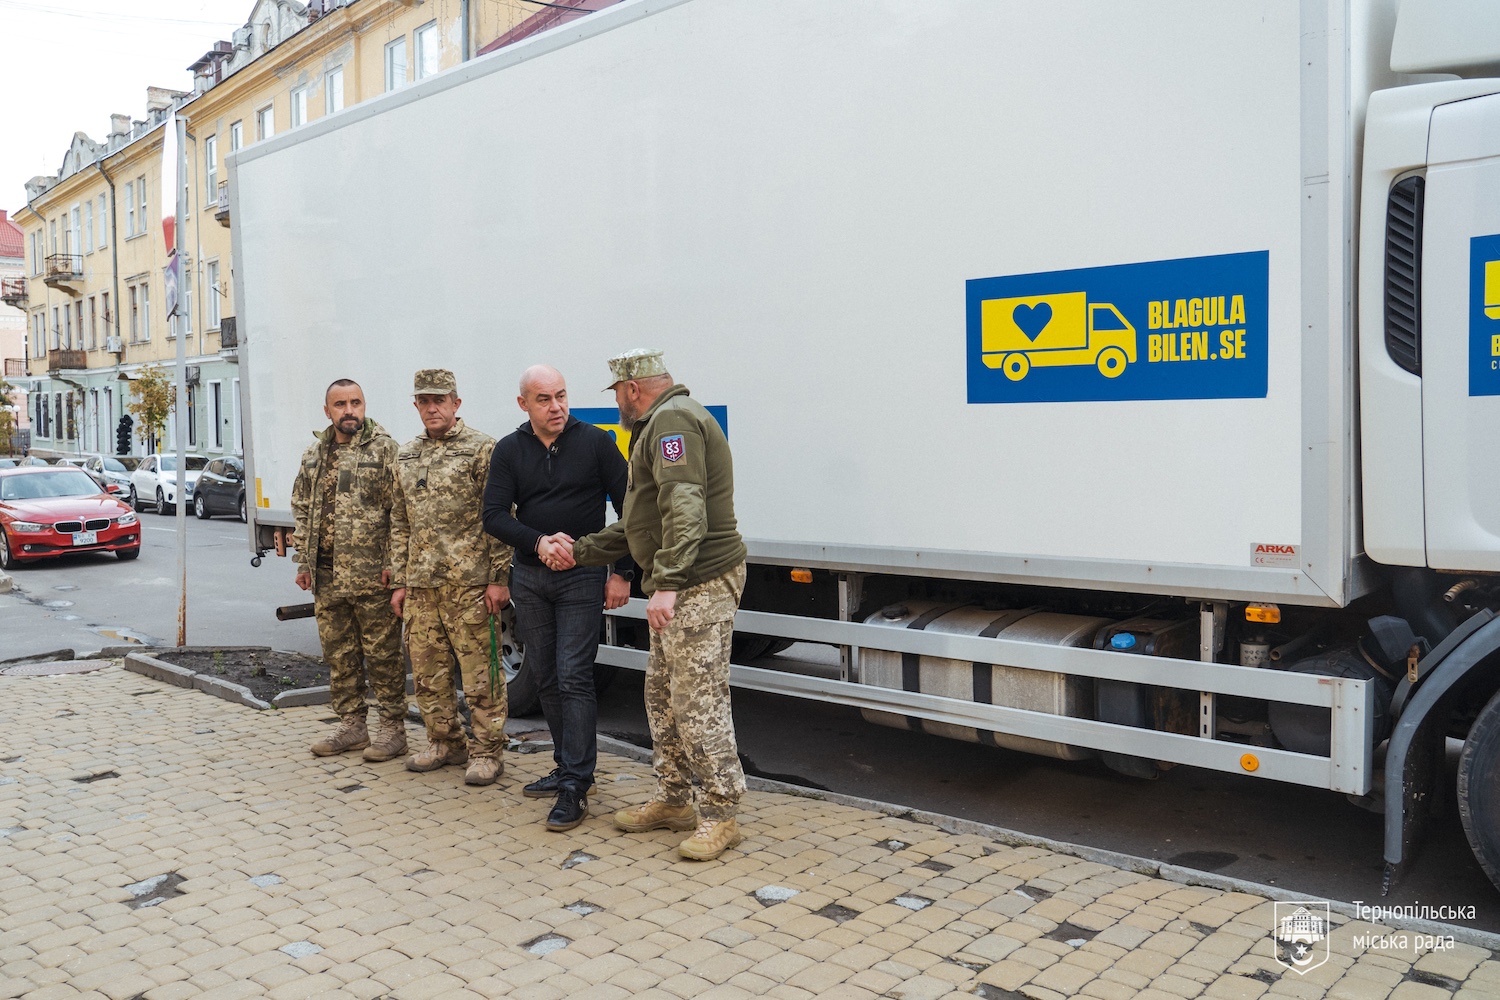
x: 556, y: 551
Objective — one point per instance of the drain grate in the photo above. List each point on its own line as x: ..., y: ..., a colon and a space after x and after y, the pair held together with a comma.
x: 53, y: 668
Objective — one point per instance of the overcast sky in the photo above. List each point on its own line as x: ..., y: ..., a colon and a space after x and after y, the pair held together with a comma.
x: 69, y: 64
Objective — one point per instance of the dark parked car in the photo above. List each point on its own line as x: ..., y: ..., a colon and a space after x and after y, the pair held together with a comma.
x: 221, y: 489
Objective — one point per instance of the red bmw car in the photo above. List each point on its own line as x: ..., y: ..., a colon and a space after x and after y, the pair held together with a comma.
x: 49, y: 510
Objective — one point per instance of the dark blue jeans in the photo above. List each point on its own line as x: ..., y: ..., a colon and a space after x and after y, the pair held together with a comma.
x: 560, y: 615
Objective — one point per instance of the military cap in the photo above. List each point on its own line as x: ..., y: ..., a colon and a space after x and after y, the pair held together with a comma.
x: 434, y: 382
x: 643, y: 362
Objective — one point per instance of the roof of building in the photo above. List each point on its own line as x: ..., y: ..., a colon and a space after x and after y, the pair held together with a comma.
x: 12, y: 239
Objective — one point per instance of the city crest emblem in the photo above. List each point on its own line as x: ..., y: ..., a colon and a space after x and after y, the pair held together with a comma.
x: 1301, y: 934
x: 673, y: 448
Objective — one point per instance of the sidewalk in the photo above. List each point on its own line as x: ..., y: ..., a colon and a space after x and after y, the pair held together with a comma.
x: 304, y: 877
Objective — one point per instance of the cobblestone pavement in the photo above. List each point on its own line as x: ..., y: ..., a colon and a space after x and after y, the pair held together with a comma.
x: 288, y: 876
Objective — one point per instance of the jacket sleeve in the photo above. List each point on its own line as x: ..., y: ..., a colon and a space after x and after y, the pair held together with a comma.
x: 400, y: 526
x: 614, y: 472
x: 681, y: 499
x: 500, y: 501
x: 602, y: 547
x: 302, y: 541
x: 500, y: 554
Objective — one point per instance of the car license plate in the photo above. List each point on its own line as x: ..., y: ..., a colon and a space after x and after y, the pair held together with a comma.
x: 85, y: 538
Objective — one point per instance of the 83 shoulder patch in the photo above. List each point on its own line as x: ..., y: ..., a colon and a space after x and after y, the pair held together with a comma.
x: 673, y: 448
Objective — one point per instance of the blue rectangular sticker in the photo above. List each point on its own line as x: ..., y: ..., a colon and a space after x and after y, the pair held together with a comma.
x: 1194, y: 328
x: 1484, y: 316
x: 608, y: 418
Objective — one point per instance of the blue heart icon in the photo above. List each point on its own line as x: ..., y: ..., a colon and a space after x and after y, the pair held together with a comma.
x: 1032, y: 320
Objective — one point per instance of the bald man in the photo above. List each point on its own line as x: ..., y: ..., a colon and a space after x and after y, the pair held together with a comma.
x: 556, y: 473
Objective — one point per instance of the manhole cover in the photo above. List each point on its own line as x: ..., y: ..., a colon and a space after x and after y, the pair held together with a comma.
x: 54, y: 667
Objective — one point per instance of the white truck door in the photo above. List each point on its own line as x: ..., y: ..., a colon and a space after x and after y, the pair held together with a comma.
x: 1461, y: 336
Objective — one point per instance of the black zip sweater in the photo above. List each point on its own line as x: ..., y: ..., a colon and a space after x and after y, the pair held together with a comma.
x: 561, y: 488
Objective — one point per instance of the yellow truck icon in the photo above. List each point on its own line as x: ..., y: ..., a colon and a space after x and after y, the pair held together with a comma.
x: 1054, y: 330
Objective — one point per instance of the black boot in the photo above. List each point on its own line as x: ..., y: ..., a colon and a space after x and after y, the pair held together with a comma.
x: 571, y: 809
x: 543, y: 788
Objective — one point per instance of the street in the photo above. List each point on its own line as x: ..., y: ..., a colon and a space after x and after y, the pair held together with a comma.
x: 1295, y: 838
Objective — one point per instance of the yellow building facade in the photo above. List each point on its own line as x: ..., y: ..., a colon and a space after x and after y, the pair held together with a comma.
x: 95, y: 298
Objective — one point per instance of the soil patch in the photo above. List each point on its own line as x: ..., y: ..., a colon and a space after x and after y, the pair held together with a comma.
x: 266, y: 672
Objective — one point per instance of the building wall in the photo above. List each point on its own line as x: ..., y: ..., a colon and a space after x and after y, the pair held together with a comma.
x: 280, y: 64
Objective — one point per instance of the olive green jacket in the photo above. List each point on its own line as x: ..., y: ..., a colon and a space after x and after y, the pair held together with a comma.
x: 437, y: 532
x: 361, y: 511
x: 678, y: 523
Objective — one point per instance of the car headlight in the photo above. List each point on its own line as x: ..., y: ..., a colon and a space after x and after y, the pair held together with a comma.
x: 27, y: 526
x: 128, y: 518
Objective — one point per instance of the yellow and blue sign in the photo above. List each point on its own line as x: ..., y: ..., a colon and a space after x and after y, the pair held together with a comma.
x: 1194, y: 328
x: 1484, y: 316
x: 608, y: 418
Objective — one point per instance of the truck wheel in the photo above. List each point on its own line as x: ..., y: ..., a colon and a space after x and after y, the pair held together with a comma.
x: 1111, y: 362
x: 1479, y: 789
x: 1015, y: 366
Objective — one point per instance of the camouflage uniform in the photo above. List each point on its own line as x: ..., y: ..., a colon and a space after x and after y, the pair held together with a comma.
x: 442, y: 555
x: 679, y: 526
x: 342, y: 501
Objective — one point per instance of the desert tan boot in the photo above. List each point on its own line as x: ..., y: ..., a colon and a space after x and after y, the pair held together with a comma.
x: 388, y: 741
x: 656, y: 815
x: 351, y: 734
x: 439, y: 753
x: 483, y: 770
x: 711, y: 839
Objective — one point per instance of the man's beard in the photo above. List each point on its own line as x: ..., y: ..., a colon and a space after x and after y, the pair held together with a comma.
x: 354, y: 423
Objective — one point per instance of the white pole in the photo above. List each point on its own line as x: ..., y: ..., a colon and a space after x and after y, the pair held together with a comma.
x: 181, y: 408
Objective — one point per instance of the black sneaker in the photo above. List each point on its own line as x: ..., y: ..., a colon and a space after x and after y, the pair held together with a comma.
x: 572, y: 808
x: 544, y: 788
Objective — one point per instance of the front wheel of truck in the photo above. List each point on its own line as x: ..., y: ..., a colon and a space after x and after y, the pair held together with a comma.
x: 1479, y: 788
x: 1111, y: 362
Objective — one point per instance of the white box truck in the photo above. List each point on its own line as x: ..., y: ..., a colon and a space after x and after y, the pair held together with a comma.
x: 1102, y: 379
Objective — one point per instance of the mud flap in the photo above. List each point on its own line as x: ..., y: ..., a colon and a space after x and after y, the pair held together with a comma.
x: 1414, y: 759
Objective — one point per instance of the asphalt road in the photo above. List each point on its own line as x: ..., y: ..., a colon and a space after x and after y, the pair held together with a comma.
x: 1300, y: 839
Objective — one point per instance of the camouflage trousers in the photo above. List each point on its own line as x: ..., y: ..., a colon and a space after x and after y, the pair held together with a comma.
x: 444, y: 624
x: 359, y: 634
x: 687, y: 699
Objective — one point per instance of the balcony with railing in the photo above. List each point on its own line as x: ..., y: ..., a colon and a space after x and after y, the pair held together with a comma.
x: 63, y: 269
x: 229, y: 334
x: 15, y: 367
x: 222, y: 212
x: 65, y: 360
x: 13, y: 292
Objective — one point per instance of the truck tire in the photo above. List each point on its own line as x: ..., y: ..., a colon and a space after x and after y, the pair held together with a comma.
x: 1479, y: 789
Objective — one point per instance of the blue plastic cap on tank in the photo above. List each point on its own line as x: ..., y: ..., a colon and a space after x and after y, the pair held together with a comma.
x: 1122, y: 640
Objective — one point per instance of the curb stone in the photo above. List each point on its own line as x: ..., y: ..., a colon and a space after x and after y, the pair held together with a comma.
x: 1128, y: 862
x: 48, y: 657
x: 298, y: 697
x: 170, y: 673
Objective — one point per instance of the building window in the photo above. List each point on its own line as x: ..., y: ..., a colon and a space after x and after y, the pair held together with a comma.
x: 108, y: 320
x: 140, y: 190
x: 129, y: 208
x: 265, y: 122
x: 39, y: 334
x: 395, y: 64
x: 211, y: 274
x: 56, y: 330
x: 79, y: 326
x: 299, y: 107
x: 333, y: 90
x: 53, y: 227
x: 36, y: 251
x: 216, y: 412
x: 429, y: 49
x: 88, y: 226
x: 72, y: 421
x: 103, y: 225
x: 75, y: 243
x: 192, y: 415
x: 211, y: 169
x: 44, y: 413
x: 135, y: 315
x: 236, y: 136
x: 145, y: 311
x: 93, y: 323
x: 187, y: 300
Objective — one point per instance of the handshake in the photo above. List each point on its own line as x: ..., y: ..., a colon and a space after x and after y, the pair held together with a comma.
x: 556, y: 551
